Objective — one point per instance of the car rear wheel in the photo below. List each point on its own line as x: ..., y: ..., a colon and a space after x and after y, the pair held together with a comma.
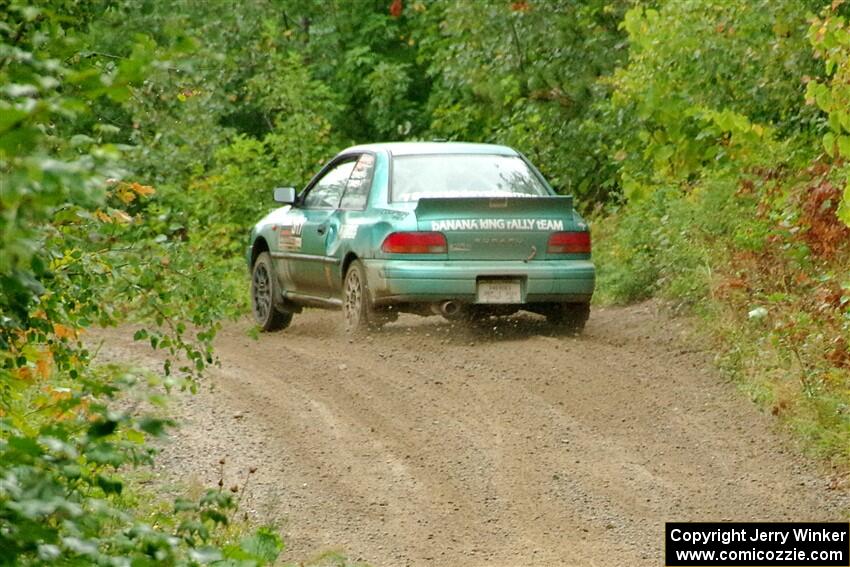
x: 265, y: 294
x: 357, y: 306
x: 569, y: 317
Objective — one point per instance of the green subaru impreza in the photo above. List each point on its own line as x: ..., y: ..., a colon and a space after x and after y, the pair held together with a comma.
x: 460, y: 230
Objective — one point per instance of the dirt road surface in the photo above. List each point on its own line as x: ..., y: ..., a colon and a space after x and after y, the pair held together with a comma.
x: 435, y: 444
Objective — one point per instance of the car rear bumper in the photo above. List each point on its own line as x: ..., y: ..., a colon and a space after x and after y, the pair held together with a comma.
x: 421, y: 281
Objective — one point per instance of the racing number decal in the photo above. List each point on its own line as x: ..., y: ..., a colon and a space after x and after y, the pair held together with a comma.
x: 289, y: 238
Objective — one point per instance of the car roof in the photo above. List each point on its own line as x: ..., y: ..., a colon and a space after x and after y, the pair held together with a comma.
x: 417, y: 148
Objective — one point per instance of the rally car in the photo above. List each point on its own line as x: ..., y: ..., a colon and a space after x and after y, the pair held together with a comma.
x: 466, y: 231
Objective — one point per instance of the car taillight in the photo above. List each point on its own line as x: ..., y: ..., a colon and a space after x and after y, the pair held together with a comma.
x: 569, y: 243
x: 415, y: 243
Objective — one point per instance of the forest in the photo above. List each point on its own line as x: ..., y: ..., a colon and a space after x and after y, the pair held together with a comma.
x: 706, y: 140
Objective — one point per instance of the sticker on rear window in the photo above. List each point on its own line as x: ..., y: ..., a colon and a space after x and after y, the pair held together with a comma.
x: 498, y: 224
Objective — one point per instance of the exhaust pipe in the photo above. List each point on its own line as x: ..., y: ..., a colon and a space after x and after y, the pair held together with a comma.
x: 448, y: 309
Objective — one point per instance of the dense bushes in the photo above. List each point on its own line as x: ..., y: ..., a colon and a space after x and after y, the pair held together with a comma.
x: 81, y: 247
x: 139, y: 140
x: 731, y: 205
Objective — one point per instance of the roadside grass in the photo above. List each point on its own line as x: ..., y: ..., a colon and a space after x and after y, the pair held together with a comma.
x: 206, y: 516
x: 152, y: 498
x: 813, y: 404
x: 766, y: 289
x: 159, y: 503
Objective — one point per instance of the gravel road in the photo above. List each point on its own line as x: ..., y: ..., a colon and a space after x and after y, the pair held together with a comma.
x: 430, y: 443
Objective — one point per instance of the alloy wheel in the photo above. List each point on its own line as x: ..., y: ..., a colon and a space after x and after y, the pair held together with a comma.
x: 261, y: 293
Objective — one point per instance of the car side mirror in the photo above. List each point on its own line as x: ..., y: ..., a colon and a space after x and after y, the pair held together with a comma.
x: 285, y: 195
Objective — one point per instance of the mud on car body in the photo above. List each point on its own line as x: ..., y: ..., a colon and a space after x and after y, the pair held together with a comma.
x: 461, y: 230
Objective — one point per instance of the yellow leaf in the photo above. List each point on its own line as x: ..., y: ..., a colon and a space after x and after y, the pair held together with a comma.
x: 135, y: 436
x: 121, y: 216
x: 143, y: 190
x: 24, y: 373
x: 43, y: 366
x: 57, y: 395
x: 126, y: 195
x: 64, y: 332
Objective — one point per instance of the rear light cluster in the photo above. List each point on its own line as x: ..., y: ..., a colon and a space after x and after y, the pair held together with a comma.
x: 569, y: 243
x: 415, y: 243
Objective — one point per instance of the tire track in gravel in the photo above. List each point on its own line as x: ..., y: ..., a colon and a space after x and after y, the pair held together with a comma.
x: 430, y: 443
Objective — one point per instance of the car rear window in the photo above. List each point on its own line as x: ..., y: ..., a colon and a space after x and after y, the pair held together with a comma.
x: 463, y: 175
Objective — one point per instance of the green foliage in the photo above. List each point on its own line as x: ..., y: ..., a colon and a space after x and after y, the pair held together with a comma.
x: 78, y: 250
x: 831, y: 39
x: 670, y: 242
x: 302, y: 136
x: 728, y: 209
x: 63, y: 498
x: 529, y: 74
x: 705, y: 81
x: 139, y: 140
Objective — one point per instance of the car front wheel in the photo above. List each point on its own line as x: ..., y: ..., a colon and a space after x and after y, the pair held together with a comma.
x: 265, y: 294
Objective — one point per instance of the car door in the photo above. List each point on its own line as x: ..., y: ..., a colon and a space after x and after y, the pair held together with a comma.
x: 319, y: 208
x: 351, y: 218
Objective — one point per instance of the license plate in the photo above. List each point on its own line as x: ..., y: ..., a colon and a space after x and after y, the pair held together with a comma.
x: 499, y: 291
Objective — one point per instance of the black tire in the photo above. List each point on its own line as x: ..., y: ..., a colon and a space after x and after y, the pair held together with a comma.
x: 357, y: 309
x: 568, y: 317
x: 265, y: 295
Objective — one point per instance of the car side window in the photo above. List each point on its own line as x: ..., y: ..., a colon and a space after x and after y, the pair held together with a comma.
x: 357, y: 191
x: 327, y: 191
